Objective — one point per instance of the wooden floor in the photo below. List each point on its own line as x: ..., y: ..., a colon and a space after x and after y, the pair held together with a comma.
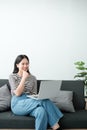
x: 21, y: 129
x: 47, y: 129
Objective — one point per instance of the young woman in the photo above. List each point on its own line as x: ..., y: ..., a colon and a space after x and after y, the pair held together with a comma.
x: 22, y: 82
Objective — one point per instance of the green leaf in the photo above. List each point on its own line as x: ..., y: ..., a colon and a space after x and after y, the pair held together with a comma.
x: 81, y: 68
x: 80, y: 63
x: 78, y: 76
x: 82, y: 74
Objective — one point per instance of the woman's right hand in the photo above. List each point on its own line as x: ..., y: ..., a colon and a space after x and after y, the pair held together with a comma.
x: 19, y: 90
x: 25, y: 74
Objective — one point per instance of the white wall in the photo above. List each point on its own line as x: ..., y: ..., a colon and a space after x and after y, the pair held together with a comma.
x: 51, y: 32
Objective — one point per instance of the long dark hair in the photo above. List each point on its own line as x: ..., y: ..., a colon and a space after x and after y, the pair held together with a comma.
x: 17, y: 61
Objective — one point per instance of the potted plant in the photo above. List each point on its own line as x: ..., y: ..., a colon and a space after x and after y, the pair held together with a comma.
x: 82, y: 74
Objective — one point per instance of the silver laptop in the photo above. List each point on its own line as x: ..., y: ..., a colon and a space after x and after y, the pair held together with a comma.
x: 48, y: 90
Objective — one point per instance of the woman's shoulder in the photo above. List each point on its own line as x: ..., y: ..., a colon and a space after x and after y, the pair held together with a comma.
x: 32, y: 76
x: 13, y: 75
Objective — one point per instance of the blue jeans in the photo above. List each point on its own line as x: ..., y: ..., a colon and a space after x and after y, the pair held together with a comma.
x: 44, y: 111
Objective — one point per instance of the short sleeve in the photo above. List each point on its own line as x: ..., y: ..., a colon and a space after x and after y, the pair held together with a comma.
x: 12, y: 82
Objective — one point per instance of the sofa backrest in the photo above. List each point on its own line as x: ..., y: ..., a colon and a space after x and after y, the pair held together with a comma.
x: 3, y: 81
x: 77, y: 87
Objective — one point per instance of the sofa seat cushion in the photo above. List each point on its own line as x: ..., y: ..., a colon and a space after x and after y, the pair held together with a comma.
x: 9, y: 120
x: 70, y: 120
x: 77, y: 119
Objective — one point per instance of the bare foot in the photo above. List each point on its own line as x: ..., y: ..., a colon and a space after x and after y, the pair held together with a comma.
x: 56, y: 126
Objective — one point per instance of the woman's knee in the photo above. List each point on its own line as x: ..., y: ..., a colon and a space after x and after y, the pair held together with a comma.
x: 47, y: 101
x: 40, y: 112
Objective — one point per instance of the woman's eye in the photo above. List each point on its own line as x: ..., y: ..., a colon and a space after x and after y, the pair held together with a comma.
x: 25, y: 64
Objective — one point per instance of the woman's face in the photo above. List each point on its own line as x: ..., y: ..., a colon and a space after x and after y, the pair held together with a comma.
x: 23, y: 65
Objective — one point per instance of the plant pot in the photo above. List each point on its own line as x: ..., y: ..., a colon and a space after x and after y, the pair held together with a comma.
x: 85, y: 90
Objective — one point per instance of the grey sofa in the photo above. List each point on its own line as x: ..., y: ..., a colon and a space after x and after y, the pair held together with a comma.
x: 70, y: 120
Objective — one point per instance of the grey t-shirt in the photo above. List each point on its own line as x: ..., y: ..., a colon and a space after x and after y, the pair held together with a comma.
x: 30, y: 83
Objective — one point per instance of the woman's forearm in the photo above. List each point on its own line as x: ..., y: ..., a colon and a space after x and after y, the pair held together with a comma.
x: 19, y: 90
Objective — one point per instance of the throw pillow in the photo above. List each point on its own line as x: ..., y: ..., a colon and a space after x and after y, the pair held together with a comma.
x: 5, y: 98
x: 64, y: 101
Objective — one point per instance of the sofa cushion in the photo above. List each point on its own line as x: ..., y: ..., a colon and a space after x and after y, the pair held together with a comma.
x: 5, y: 98
x: 10, y: 121
x: 76, y: 120
x: 64, y: 101
x: 77, y: 86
